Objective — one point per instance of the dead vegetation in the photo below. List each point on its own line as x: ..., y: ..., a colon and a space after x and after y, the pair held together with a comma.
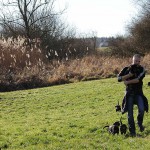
x: 22, y: 67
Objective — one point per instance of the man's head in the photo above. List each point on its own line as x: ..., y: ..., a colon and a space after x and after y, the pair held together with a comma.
x: 136, y: 59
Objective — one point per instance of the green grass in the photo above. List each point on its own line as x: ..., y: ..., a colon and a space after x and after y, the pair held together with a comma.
x: 103, y: 49
x: 70, y: 116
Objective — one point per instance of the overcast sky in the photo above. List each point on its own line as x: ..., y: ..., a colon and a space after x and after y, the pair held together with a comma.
x: 105, y: 17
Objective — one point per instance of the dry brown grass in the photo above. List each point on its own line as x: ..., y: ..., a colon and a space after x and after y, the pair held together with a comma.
x: 22, y: 67
x: 15, y: 53
x: 91, y: 67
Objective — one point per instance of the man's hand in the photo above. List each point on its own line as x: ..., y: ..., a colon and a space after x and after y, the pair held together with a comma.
x: 126, y: 83
x: 119, y: 78
x: 130, y: 74
x: 123, y: 78
x: 133, y: 81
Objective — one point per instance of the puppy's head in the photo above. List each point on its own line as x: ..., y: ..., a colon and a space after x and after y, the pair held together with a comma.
x: 117, y: 123
x: 133, y: 68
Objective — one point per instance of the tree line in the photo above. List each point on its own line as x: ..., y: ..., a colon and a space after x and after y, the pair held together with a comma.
x: 138, y: 37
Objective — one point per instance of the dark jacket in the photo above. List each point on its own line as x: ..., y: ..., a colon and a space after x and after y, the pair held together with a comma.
x: 135, y: 88
x: 139, y: 73
x: 125, y: 102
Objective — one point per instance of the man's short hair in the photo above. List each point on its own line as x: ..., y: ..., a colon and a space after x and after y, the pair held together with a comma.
x: 137, y: 56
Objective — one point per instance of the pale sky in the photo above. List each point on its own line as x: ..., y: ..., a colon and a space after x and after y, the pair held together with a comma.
x: 105, y: 17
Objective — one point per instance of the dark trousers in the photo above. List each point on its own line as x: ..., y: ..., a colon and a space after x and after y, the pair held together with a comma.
x: 139, y: 101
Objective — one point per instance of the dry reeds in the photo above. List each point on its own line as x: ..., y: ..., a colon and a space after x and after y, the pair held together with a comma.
x: 23, y: 67
x: 15, y: 53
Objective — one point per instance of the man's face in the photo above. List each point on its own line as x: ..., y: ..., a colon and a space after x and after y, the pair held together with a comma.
x: 136, y: 60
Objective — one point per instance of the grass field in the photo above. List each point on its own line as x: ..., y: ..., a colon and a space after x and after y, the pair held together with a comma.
x: 70, y: 116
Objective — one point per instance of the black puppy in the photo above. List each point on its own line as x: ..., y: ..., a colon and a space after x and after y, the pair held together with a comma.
x: 134, y: 68
x: 118, y: 107
x: 113, y: 129
x: 148, y: 83
x: 123, y: 127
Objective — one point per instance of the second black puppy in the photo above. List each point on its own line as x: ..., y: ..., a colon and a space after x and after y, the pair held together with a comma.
x: 123, y: 127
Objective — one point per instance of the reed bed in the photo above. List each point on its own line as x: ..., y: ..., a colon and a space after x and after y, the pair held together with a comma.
x: 23, y: 67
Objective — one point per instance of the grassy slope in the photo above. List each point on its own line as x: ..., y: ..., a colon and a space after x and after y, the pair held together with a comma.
x: 70, y: 116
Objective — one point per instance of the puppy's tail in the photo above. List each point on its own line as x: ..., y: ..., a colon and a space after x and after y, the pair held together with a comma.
x: 105, y: 127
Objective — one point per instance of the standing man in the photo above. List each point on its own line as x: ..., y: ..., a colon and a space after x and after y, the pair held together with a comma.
x: 132, y: 77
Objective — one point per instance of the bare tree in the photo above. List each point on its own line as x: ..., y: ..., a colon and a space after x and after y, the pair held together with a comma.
x: 139, y: 28
x: 39, y: 19
x: 32, y: 18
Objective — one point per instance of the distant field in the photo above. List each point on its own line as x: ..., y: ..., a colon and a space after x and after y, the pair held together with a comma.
x: 70, y: 116
x: 103, y: 49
